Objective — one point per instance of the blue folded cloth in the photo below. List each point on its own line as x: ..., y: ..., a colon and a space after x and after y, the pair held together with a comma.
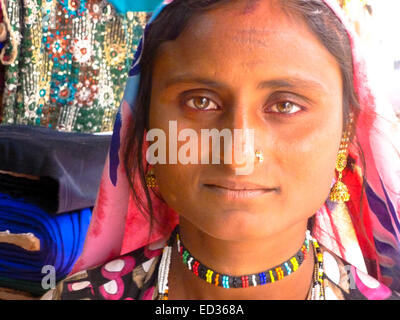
x: 61, y: 242
x: 123, y: 6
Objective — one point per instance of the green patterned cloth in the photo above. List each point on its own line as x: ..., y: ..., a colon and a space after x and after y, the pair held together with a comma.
x: 70, y: 64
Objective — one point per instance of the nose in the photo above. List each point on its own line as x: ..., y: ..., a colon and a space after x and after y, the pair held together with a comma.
x: 241, y: 120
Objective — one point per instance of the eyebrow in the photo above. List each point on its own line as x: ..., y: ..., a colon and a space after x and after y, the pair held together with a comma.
x: 269, y: 84
x: 291, y: 83
x: 189, y: 79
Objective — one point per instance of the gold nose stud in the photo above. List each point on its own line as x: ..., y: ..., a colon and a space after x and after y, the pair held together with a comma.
x: 260, y: 156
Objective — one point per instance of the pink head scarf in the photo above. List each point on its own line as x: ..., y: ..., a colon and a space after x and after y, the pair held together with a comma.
x: 370, y: 242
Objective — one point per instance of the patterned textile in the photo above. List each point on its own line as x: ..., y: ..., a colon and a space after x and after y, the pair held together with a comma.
x: 370, y: 241
x: 1, y: 88
x: 67, y: 63
x: 134, y: 276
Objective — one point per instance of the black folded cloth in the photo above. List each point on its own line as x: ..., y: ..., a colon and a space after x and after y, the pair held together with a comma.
x: 69, y: 166
x: 42, y: 192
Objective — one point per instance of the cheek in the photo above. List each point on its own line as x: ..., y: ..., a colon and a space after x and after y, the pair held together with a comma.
x: 177, y: 185
x: 177, y: 182
x: 308, y: 175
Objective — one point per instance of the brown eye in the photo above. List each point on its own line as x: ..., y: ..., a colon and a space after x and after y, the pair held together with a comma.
x: 202, y: 103
x: 285, y: 107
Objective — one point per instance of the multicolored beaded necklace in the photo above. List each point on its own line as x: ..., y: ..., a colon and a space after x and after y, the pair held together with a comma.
x: 250, y: 280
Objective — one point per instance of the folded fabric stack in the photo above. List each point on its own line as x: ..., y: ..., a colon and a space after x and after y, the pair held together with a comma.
x: 48, y: 186
x: 56, y: 241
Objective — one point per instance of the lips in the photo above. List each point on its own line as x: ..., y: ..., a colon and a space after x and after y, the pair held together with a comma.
x: 238, y: 189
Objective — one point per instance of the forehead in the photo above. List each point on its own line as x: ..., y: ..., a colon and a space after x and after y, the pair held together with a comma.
x: 257, y: 36
x: 240, y: 20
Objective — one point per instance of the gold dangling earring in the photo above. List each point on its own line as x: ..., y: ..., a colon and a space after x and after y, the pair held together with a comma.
x: 339, y: 192
x: 151, y: 181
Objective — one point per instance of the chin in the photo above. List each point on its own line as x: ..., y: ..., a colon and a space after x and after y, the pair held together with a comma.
x: 240, y: 225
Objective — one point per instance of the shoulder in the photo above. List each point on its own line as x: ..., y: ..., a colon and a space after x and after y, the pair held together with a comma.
x: 128, y: 277
x: 343, y: 281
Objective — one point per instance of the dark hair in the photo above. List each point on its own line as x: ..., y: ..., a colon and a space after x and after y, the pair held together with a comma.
x: 169, y: 25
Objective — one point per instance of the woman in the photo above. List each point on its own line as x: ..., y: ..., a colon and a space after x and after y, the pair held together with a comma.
x: 289, y: 71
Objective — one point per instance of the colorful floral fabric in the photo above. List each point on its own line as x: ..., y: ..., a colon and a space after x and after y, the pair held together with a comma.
x: 67, y: 63
x: 134, y: 276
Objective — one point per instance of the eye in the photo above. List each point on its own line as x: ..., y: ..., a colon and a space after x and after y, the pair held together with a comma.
x: 285, y: 107
x: 202, y: 103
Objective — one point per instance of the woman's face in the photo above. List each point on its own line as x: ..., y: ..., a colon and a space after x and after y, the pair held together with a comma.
x: 249, y: 67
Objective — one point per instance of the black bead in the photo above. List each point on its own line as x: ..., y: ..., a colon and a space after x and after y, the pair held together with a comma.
x: 236, y: 282
x: 267, y: 277
x: 202, y: 271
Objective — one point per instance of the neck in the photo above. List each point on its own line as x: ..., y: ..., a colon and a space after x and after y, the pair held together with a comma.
x: 240, y: 258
